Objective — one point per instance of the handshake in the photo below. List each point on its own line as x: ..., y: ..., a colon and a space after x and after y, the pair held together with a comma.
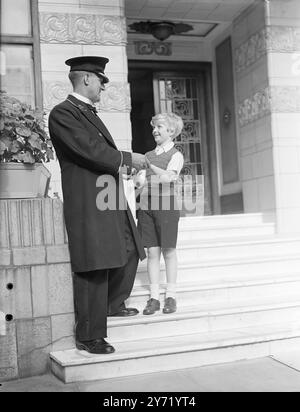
x: 140, y: 161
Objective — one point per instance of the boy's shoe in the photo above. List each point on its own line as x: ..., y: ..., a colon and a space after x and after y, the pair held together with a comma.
x: 152, y: 306
x: 170, y: 306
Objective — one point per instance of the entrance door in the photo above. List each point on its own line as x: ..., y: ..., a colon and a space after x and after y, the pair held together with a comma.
x: 184, y: 93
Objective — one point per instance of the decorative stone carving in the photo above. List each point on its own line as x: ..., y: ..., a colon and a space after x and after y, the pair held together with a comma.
x: 285, y: 99
x: 143, y: 47
x: 110, y: 30
x: 55, y: 92
x: 82, y: 29
x: 271, y: 99
x: 148, y: 48
x: 54, y: 28
x: 255, y: 107
x: 250, y: 51
x: 280, y: 39
x: 115, y: 98
x: 163, y: 49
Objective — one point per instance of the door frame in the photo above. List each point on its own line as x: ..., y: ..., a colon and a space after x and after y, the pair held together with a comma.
x: 205, y: 69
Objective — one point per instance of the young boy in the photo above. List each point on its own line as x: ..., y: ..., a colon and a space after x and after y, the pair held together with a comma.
x: 158, y: 216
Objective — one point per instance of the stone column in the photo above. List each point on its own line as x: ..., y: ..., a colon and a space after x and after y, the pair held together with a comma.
x: 254, y: 114
x: 283, y: 52
x: 267, y: 66
x: 86, y: 27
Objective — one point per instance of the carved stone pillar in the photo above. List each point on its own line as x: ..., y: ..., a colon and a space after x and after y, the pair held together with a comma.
x: 267, y: 66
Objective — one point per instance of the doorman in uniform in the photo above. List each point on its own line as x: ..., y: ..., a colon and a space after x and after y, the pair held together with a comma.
x: 104, y: 244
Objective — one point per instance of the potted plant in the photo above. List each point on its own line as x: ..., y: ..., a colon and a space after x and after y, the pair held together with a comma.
x: 24, y: 146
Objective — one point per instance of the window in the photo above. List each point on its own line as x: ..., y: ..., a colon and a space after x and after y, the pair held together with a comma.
x: 20, y: 67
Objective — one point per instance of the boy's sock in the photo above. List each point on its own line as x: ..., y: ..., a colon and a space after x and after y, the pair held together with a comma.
x: 154, y: 291
x: 171, y: 290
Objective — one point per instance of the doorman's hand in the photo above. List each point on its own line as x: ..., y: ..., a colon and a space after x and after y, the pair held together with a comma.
x: 138, y: 161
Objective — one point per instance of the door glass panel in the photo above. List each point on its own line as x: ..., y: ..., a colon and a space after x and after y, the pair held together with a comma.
x: 180, y: 95
x: 15, y: 17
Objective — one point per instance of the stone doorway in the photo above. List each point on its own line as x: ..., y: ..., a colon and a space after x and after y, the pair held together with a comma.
x: 159, y: 87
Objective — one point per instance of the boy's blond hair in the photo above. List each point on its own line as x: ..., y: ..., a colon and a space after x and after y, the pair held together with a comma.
x: 172, y: 120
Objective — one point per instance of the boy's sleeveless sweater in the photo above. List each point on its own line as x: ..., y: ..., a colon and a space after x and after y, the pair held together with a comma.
x: 162, y: 161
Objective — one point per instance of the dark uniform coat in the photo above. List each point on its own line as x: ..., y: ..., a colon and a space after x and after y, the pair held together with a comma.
x: 86, y: 150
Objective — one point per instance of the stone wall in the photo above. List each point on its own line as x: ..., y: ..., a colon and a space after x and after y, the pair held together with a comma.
x: 36, y: 295
x: 283, y: 53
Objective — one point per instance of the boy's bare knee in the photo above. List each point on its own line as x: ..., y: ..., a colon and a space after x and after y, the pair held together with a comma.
x: 169, y: 253
x: 154, y: 252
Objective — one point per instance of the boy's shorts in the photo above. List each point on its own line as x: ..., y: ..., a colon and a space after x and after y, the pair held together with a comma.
x: 159, y: 228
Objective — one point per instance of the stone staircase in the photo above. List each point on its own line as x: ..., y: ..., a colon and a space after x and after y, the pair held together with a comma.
x: 238, y: 298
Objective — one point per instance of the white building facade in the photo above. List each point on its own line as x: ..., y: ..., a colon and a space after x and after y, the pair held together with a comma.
x: 234, y: 78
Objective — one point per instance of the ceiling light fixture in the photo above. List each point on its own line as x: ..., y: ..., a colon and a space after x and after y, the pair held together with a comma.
x: 160, y: 30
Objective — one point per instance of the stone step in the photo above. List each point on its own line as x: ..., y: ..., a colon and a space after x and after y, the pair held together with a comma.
x: 222, y: 291
x: 204, y: 318
x: 218, y: 227
x: 218, y: 232
x: 233, y: 268
x: 176, y: 352
x: 239, y: 247
x: 226, y: 226
x: 222, y: 221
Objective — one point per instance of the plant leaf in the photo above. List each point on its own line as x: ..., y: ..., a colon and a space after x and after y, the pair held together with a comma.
x: 15, y: 147
x: 35, y: 141
x: 23, y: 131
x: 7, y: 141
x: 50, y: 154
x: 29, y: 117
x: 2, y: 148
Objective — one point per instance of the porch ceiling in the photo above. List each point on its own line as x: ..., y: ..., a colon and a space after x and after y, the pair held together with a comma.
x: 202, y: 14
